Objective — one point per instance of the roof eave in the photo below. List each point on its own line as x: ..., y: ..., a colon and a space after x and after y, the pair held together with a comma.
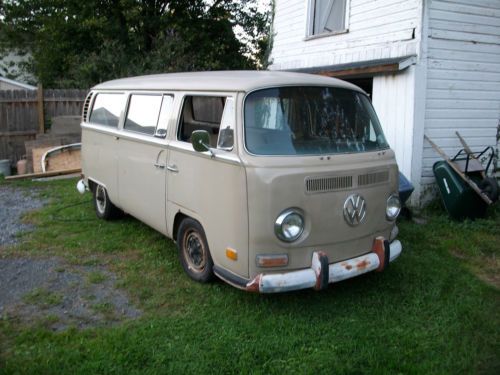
x: 362, y: 68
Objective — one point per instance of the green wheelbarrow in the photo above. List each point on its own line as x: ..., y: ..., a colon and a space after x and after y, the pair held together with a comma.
x: 463, y: 181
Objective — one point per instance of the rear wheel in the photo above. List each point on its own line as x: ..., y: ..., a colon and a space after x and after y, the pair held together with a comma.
x: 489, y: 186
x: 104, y: 208
x: 194, y: 252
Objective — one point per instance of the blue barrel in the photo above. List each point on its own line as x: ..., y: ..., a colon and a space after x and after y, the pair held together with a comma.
x: 5, y: 167
x: 405, y: 188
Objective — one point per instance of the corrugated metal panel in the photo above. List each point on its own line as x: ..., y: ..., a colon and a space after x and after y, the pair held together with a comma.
x: 463, y: 77
x: 393, y: 99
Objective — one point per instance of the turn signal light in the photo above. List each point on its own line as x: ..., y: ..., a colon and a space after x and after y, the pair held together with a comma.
x: 279, y: 260
x: 231, y: 253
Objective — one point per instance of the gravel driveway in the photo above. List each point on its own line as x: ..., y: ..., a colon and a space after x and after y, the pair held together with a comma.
x: 49, y: 289
x: 14, y: 202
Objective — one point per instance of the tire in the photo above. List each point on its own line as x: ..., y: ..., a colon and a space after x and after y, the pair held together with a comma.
x: 104, y: 208
x: 406, y: 213
x: 489, y: 186
x: 194, y: 253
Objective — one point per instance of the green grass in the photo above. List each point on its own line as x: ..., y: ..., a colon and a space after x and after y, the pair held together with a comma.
x: 106, y: 309
x: 96, y: 277
x: 434, y: 311
x: 42, y: 298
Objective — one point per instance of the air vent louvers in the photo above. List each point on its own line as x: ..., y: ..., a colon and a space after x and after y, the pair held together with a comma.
x: 324, y: 184
x: 86, y: 106
x: 373, y: 178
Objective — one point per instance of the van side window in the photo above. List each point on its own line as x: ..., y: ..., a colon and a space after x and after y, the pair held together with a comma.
x: 143, y: 113
x: 165, y: 113
x: 201, y: 113
x: 226, y: 132
x: 107, y: 109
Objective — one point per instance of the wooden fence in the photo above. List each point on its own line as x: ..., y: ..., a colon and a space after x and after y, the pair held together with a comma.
x: 26, y: 113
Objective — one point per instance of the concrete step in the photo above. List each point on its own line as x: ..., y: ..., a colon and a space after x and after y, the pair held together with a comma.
x: 62, y: 125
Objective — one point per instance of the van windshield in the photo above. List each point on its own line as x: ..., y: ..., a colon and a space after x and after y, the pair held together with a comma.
x: 310, y: 121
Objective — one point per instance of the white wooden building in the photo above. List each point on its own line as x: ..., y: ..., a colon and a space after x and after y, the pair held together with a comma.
x: 430, y: 66
x: 10, y: 84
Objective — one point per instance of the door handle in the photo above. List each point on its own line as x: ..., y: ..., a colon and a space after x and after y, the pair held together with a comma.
x: 116, y: 138
x: 173, y: 168
x: 159, y: 166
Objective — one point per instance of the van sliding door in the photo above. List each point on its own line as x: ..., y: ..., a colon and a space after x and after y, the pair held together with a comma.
x: 143, y: 157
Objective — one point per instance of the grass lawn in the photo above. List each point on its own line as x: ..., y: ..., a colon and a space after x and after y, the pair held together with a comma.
x: 434, y: 311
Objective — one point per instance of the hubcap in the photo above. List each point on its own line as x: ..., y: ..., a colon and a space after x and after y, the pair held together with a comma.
x: 194, y: 251
x: 100, y: 198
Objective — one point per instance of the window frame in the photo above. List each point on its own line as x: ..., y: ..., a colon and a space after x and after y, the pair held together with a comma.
x: 243, y: 127
x: 127, y: 109
x: 232, y: 125
x: 179, y: 121
x: 129, y: 102
x: 169, y: 117
x: 311, y: 6
x: 122, y: 112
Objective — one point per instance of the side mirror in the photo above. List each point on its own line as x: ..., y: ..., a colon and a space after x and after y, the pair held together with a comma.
x: 200, y: 139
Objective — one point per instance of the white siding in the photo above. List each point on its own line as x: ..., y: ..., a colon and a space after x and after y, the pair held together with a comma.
x: 8, y: 86
x: 377, y: 29
x: 463, y: 76
x: 393, y: 99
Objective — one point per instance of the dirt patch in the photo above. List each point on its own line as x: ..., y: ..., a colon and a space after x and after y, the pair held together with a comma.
x: 51, y: 290
x: 486, y: 267
x: 66, y: 295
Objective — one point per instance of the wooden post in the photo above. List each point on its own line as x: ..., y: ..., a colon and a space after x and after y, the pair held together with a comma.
x: 41, y: 115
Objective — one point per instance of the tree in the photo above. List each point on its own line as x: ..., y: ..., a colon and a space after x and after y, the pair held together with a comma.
x: 74, y: 43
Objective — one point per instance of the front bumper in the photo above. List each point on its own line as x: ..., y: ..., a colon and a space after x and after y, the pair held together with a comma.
x: 82, y: 186
x: 322, y: 273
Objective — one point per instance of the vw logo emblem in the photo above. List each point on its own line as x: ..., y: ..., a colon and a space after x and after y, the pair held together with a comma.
x: 354, y: 209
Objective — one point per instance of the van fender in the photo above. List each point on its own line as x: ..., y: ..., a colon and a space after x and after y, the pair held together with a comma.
x: 173, y: 210
x: 92, y: 181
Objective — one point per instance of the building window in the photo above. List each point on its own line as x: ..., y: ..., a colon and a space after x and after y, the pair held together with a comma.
x: 327, y: 16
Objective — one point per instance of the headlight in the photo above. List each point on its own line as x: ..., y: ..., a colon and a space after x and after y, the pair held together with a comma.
x: 393, y: 207
x: 289, y: 225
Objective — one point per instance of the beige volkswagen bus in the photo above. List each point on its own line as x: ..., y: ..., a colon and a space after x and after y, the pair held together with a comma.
x: 272, y: 181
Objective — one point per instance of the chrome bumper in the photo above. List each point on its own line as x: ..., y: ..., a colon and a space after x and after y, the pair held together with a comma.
x: 322, y: 273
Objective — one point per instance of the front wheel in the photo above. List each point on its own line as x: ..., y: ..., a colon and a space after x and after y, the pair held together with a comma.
x: 104, y: 208
x: 194, y: 252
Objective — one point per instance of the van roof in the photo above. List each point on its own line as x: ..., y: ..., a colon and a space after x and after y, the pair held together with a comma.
x: 243, y: 80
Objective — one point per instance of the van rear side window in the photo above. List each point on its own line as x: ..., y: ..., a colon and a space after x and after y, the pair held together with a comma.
x: 107, y: 109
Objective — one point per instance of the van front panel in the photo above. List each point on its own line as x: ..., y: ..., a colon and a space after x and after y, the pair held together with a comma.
x: 311, y: 190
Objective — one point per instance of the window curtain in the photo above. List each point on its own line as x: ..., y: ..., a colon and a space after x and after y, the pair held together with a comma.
x: 329, y: 16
